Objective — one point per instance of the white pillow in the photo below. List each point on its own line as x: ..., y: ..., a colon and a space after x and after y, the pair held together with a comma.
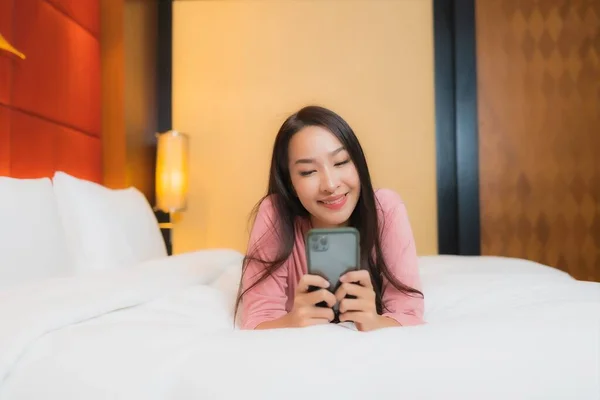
x: 106, y: 228
x: 32, y: 242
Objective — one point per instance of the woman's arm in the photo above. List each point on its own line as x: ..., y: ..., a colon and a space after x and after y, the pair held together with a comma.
x: 264, y: 304
x: 400, y: 255
x: 281, y: 322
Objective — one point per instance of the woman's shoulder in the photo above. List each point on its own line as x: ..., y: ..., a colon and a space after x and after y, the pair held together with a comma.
x: 264, y: 214
x: 266, y: 211
x: 268, y: 205
x: 391, y: 211
x: 388, y: 200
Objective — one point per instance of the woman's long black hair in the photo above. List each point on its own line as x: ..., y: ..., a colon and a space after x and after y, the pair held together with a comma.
x: 288, y: 207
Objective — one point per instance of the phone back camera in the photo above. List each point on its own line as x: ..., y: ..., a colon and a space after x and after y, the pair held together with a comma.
x: 320, y: 244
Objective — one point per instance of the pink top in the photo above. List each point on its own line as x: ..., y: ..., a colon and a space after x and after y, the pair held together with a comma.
x: 274, y: 296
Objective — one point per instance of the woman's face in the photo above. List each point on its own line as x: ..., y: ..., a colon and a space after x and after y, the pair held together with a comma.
x: 323, y: 176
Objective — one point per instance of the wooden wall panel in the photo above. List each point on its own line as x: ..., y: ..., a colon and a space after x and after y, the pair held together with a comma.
x: 6, y: 12
x: 5, y: 78
x: 539, y: 131
x: 140, y: 93
x: 85, y: 13
x: 6, y: 29
x: 4, y: 140
x: 84, y: 101
x: 60, y: 80
x: 32, y: 138
x: 6, y: 66
x: 54, y: 147
x: 77, y: 152
x: 114, y: 144
x: 129, y: 103
x: 50, y: 102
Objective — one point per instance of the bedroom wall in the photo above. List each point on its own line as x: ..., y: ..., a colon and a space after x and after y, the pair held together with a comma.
x: 50, y: 102
x: 129, y: 104
x: 240, y: 67
x: 113, y: 93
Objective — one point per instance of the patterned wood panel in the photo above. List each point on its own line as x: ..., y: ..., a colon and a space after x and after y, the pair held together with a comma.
x: 539, y: 131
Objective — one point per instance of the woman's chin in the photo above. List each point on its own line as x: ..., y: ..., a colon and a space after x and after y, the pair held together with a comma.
x: 330, y: 221
x: 331, y: 216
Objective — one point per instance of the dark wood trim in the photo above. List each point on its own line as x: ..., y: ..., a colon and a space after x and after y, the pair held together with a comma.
x: 447, y: 196
x: 467, y: 149
x: 456, y: 127
x: 163, y: 217
x: 164, y: 52
x: 164, y: 56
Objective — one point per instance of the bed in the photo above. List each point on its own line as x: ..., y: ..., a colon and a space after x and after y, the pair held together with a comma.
x: 91, y: 306
x: 162, y: 328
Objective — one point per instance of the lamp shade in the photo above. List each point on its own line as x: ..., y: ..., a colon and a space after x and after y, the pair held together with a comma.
x: 172, y: 171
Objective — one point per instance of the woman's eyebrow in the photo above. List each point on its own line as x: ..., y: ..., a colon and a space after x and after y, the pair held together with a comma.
x: 312, y: 160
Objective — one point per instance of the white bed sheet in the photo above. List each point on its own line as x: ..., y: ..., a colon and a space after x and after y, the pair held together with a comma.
x: 497, y: 328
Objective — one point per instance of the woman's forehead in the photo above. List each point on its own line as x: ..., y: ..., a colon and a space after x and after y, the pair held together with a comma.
x: 313, y: 141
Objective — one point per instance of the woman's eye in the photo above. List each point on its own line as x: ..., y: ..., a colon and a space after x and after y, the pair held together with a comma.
x: 306, y: 173
x: 342, y: 162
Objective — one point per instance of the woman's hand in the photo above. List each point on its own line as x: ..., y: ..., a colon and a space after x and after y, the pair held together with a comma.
x: 305, y: 312
x: 361, y: 310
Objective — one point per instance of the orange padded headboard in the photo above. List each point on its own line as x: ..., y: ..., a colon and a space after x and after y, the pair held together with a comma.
x: 50, y: 102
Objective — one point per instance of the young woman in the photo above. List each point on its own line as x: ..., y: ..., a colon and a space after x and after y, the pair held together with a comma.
x: 319, y: 179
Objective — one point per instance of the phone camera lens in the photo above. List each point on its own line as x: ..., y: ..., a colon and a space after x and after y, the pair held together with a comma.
x: 324, y: 241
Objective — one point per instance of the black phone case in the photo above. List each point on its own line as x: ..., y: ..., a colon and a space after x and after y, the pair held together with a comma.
x: 330, y: 253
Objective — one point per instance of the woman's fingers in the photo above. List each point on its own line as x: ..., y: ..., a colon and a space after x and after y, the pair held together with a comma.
x: 309, y: 313
x: 353, y: 290
x: 311, y: 280
x: 353, y: 316
x: 322, y: 313
x: 352, y: 305
x: 319, y: 296
x: 361, y: 276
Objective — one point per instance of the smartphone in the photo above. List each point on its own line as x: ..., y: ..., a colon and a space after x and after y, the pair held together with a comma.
x: 330, y: 253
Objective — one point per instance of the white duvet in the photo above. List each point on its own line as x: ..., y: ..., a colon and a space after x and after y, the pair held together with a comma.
x: 497, y: 329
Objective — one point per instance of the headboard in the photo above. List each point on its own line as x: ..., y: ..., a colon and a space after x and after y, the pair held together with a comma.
x: 50, y: 102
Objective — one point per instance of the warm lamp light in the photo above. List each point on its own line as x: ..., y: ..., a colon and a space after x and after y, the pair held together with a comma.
x: 5, y: 45
x: 172, y: 171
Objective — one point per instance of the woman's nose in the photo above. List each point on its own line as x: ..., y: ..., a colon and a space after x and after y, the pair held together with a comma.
x: 330, y: 181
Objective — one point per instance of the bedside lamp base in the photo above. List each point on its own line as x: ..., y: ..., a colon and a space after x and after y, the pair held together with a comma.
x: 165, y: 225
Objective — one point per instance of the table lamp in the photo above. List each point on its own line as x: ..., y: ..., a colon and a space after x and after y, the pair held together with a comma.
x: 172, y: 163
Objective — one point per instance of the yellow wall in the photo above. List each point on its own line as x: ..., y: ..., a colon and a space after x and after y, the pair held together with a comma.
x: 241, y: 67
